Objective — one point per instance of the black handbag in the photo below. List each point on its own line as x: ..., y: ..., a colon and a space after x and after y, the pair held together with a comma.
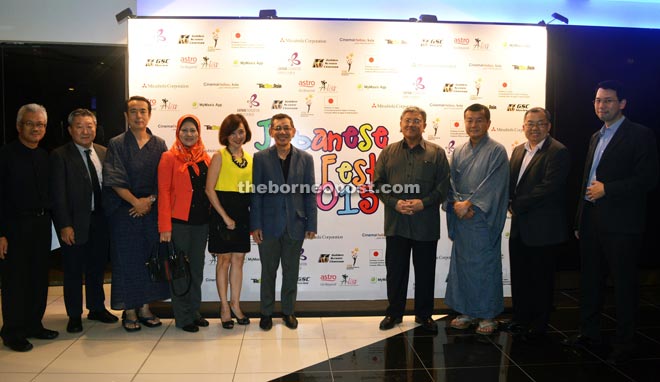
x: 167, y: 265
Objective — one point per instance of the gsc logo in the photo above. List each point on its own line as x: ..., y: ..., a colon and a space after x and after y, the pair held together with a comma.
x: 517, y: 107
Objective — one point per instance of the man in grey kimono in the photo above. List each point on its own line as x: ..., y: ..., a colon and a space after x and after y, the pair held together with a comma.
x: 476, y: 213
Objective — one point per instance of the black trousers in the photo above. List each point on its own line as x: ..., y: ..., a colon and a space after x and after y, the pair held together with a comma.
x: 397, y: 263
x: 616, y: 254
x: 25, y: 276
x: 532, y: 283
x: 88, y: 259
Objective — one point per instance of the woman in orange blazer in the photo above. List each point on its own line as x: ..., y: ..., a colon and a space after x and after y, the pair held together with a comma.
x: 183, y: 213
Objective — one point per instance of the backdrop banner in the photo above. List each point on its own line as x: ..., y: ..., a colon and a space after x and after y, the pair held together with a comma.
x: 345, y: 84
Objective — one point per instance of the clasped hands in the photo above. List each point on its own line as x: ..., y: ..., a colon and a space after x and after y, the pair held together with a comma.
x: 463, y: 210
x: 409, y: 206
x: 141, y: 207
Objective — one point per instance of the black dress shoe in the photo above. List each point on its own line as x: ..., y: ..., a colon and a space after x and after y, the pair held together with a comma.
x: 45, y: 334
x: 290, y: 321
x: 192, y: 328
x: 18, y: 344
x: 201, y: 322
x: 74, y: 325
x: 428, y: 324
x: 241, y: 321
x: 534, y: 337
x: 580, y: 342
x: 388, y: 322
x: 102, y: 315
x: 266, y: 322
x: 619, y: 357
x: 514, y: 327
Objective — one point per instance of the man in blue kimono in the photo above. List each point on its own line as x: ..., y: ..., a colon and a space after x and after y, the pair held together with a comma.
x: 476, y: 212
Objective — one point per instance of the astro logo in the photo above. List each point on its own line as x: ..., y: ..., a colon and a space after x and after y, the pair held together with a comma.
x: 328, y: 277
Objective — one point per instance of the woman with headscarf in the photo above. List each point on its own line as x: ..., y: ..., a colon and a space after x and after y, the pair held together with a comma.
x: 183, y: 213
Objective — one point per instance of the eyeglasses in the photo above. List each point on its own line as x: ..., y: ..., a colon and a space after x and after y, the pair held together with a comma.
x: 606, y: 101
x: 285, y: 128
x: 415, y: 121
x: 540, y: 124
x: 38, y: 125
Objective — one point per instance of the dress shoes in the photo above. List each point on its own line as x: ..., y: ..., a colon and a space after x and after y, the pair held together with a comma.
x: 18, y: 344
x: 388, y: 322
x: 427, y: 324
x: 102, y: 315
x: 266, y: 322
x: 191, y: 328
x: 74, y: 325
x: 45, y: 334
x: 201, y: 322
x: 580, y: 342
x: 514, y: 327
x: 619, y: 357
x: 290, y: 321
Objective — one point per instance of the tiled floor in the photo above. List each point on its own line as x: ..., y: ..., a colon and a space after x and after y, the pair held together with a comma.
x: 326, y: 349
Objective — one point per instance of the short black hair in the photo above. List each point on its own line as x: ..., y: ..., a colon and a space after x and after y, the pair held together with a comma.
x: 615, y: 85
x: 477, y: 107
x: 139, y: 98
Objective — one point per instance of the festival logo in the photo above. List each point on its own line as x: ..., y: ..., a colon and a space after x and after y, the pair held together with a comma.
x: 354, y: 257
x: 215, y: 36
x: 346, y: 280
x: 479, y: 44
x: 208, y: 63
x: 167, y: 105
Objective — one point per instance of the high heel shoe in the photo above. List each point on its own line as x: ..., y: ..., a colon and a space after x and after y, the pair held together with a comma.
x: 226, y: 324
x: 242, y: 320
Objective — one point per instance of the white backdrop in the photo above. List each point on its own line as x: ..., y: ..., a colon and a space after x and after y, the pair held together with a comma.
x: 344, y: 83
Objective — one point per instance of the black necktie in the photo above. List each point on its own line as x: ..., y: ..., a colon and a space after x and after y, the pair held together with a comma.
x: 95, y: 180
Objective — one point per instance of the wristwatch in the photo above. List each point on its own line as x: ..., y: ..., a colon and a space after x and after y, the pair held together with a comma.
x: 152, y: 199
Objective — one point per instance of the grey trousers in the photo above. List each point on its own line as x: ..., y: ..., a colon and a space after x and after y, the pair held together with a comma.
x: 271, y: 252
x: 191, y: 239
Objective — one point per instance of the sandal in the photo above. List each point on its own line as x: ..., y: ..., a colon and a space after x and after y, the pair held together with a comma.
x: 130, y: 325
x: 150, y: 322
x: 461, y: 322
x: 486, y: 327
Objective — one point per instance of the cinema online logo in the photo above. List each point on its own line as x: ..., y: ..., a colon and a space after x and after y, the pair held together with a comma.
x: 157, y: 62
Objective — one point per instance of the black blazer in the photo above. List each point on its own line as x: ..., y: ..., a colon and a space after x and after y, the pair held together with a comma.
x: 71, y: 190
x: 538, y: 201
x: 629, y: 170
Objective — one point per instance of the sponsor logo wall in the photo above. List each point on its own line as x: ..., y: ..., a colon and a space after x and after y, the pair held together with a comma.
x: 345, y: 84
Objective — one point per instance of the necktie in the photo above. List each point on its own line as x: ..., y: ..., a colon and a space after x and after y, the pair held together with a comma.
x: 95, y: 180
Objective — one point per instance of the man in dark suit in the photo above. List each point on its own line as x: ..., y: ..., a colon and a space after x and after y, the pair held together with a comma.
x: 620, y: 169
x: 25, y: 231
x: 282, y: 214
x: 539, y: 169
x: 78, y: 215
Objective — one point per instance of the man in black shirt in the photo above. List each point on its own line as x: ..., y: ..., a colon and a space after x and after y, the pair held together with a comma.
x: 25, y: 231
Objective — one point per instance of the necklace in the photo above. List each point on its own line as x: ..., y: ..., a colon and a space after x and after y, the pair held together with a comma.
x: 240, y: 163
